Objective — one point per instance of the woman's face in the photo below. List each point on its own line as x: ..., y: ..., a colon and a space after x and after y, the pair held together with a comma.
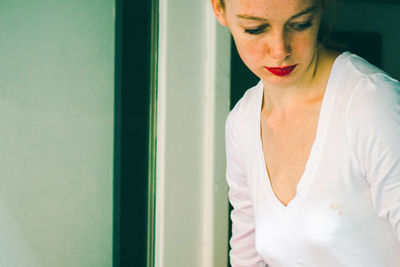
x: 276, y: 39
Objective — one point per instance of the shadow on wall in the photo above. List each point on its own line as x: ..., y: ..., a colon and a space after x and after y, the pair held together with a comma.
x: 367, y: 28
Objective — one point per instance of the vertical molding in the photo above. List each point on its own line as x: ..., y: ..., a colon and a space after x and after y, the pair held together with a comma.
x: 222, y: 106
x: 117, y: 136
x: 217, y: 99
x: 133, y: 133
x: 201, y: 230
x: 209, y: 140
x: 161, y: 136
x: 153, y: 136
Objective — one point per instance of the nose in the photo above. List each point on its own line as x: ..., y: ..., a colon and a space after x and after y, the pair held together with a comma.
x: 279, y: 45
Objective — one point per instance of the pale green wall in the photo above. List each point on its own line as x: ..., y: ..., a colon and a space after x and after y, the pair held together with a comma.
x: 56, y: 132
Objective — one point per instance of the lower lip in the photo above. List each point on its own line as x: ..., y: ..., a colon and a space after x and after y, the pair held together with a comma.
x: 281, y: 71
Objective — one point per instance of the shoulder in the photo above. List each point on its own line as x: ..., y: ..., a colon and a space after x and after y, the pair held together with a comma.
x: 246, y: 108
x: 369, y: 101
x: 374, y: 93
x: 358, y: 65
x: 372, y: 112
x: 363, y: 87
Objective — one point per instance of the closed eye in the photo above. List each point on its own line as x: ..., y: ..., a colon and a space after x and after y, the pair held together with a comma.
x: 257, y: 30
x: 301, y: 26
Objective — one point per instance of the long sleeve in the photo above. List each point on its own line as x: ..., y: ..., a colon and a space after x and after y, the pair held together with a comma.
x: 374, y: 123
x: 243, y: 252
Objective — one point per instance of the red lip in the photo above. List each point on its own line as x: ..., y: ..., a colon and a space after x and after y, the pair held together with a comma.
x: 283, y: 71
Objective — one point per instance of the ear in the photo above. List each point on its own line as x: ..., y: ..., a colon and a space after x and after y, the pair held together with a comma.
x: 219, y: 11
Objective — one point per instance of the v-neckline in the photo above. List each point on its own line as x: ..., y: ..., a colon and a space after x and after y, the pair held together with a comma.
x: 316, y: 148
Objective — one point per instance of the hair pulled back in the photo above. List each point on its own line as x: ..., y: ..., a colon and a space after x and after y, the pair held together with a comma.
x: 325, y: 28
x: 324, y: 2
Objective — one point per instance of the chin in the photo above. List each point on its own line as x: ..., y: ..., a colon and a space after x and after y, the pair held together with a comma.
x: 279, y: 80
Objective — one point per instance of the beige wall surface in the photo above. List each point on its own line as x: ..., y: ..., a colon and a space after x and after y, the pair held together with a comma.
x: 56, y: 132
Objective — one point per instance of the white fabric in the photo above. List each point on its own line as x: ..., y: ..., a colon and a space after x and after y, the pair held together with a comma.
x: 347, y: 208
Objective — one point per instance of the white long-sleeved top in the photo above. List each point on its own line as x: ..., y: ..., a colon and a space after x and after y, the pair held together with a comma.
x: 347, y: 208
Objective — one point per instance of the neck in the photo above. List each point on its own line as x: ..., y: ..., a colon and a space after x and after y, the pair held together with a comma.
x: 306, y: 90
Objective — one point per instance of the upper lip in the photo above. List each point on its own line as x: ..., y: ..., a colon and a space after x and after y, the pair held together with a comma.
x: 282, y: 68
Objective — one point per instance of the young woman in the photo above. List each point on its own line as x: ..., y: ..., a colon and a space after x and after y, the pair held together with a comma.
x: 313, y: 150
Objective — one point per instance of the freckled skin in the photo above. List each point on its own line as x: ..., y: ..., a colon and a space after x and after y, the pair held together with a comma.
x: 291, y: 104
x: 280, y: 45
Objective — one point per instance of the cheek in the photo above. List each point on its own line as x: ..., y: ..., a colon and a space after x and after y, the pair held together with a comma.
x: 304, y: 44
x: 251, y: 51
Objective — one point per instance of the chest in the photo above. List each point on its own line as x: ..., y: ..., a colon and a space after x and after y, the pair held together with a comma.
x: 318, y: 236
x: 286, y: 144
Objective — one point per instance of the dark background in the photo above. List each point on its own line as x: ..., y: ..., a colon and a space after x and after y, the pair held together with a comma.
x: 132, y: 102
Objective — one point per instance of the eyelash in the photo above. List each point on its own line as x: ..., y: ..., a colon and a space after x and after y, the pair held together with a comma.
x: 297, y: 27
x: 302, y: 26
x: 256, y: 30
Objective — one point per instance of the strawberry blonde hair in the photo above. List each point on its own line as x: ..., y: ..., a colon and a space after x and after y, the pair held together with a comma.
x: 325, y: 29
x: 325, y: 2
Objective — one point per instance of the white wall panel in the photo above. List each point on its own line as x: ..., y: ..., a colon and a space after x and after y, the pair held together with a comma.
x: 191, y: 205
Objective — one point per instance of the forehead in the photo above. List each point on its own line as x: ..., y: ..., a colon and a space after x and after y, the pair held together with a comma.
x: 269, y: 8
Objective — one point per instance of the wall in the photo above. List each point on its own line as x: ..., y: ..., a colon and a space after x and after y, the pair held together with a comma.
x: 375, y: 17
x: 193, y: 102
x: 56, y: 132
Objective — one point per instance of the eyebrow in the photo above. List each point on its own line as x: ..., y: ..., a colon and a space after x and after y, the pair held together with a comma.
x: 305, y: 11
